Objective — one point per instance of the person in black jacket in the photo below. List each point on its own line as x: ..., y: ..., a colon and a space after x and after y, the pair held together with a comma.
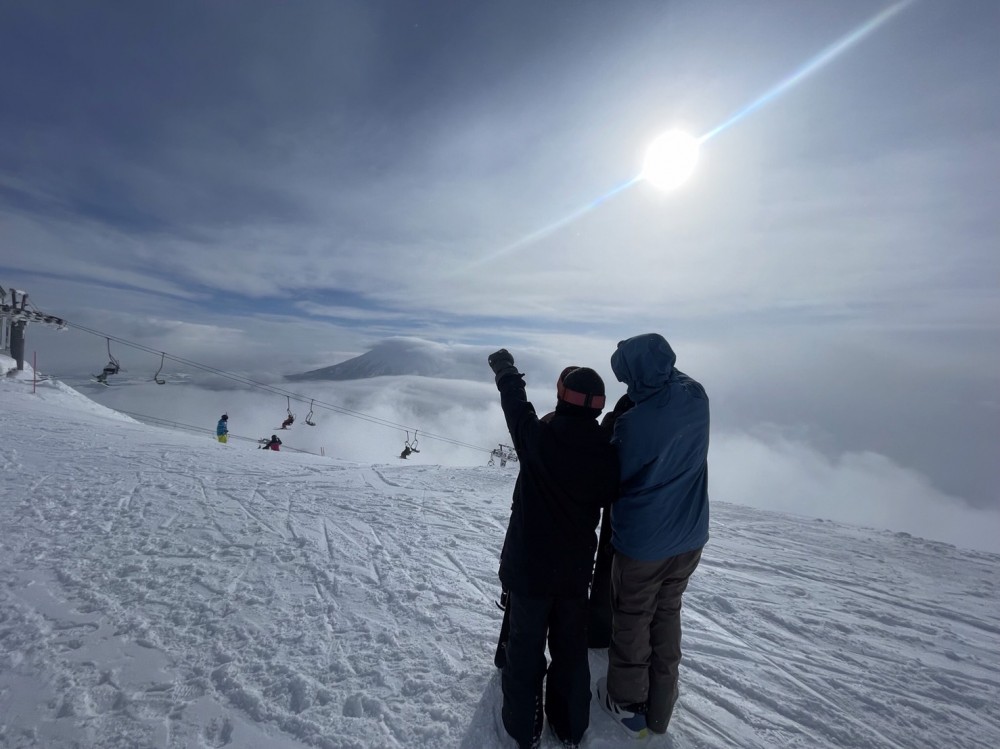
x: 568, y: 471
x: 501, y: 652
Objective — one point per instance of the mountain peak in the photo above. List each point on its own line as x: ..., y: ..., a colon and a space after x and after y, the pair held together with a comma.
x: 404, y: 356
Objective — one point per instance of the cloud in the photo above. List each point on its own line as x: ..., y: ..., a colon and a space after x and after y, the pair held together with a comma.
x: 459, y: 421
x: 248, y: 184
x: 191, y: 181
x: 772, y: 471
x: 347, y: 312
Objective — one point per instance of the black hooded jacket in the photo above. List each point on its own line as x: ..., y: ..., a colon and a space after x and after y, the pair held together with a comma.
x: 568, y: 471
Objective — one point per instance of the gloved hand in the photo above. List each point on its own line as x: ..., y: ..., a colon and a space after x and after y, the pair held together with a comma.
x: 502, y: 363
x: 500, y: 359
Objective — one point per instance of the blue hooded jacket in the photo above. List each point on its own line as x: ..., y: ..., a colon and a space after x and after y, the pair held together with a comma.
x: 663, y: 450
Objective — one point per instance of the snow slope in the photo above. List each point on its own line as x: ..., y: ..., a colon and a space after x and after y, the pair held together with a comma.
x: 162, y: 590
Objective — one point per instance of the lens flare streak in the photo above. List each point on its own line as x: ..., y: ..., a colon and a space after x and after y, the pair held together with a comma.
x: 824, y: 57
x: 555, y: 226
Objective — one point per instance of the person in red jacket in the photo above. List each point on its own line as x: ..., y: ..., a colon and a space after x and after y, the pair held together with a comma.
x: 272, y: 444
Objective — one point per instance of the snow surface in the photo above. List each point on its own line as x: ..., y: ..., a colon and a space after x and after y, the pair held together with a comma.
x: 163, y: 590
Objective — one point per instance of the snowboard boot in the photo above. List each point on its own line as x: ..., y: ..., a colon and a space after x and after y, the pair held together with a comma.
x: 632, y: 718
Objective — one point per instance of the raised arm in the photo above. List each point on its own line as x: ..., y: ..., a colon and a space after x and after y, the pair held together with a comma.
x: 522, y: 421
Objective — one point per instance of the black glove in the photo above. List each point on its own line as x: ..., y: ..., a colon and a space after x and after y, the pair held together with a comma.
x: 502, y: 363
x: 500, y: 359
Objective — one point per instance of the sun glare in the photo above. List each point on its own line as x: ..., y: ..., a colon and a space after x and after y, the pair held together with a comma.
x: 670, y: 160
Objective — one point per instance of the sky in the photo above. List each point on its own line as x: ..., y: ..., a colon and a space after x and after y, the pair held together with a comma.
x: 160, y: 592
x: 245, y: 182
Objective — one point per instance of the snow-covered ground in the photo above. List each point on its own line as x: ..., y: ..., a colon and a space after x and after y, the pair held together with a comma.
x: 159, y: 589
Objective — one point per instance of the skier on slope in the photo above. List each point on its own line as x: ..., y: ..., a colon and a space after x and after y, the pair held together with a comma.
x: 567, y: 471
x: 222, y: 429
x: 272, y: 444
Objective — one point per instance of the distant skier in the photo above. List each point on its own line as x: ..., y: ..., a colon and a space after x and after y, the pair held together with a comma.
x: 222, y: 429
x: 111, y: 368
x: 568, y: 470
x: 272, y: 444
x: 288, y: 421
x: 659, y: 527
x: 407, y: 450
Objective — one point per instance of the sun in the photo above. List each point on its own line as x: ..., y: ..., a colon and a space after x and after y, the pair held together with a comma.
x: 670, y: 160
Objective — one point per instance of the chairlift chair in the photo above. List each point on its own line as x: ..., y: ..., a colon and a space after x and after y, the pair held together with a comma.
x: 408, y: 446
x: 290, y: 419
x: 504, y: 452
x: 156, y: 377
x: 309, y: 417
x: 111, y: 368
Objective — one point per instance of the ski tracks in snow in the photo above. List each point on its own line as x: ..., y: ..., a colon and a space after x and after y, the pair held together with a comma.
x: 776, y: 638
x: 300, y: 599
x: 156, y: 594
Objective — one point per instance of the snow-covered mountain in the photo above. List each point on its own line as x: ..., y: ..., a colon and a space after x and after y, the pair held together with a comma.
x: 406, y: 356
x: 163, y: 590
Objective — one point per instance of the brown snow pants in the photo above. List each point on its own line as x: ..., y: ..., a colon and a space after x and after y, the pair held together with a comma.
x: 645, y: 647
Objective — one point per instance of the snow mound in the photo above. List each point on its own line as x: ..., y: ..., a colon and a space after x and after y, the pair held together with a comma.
x: 54, y: 397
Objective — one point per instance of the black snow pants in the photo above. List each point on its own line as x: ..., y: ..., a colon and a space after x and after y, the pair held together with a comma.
x: 563, y: 621
x: 599, y: 624
x: 646, y: 632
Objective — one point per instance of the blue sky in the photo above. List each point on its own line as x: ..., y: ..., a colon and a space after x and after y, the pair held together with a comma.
x: 308, y: 178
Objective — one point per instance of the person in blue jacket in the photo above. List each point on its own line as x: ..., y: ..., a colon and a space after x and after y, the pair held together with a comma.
x: 222, y: 429
x: 659, y: 527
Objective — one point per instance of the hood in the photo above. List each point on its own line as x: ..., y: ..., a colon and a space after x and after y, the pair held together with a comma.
x: 645, y: 363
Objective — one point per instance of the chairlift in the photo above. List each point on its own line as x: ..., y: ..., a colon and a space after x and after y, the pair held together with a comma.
x: 408, y: 446
x: 156, y: 377
x: 309, y: 417
x: 505, y: 453
x: 290, y: 419
x: 111, y: 368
